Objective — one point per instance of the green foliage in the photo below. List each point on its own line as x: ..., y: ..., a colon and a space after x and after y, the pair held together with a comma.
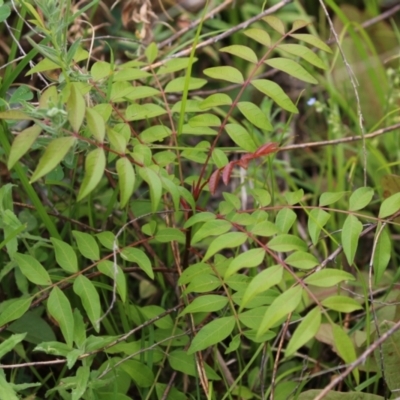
x: 168, y: 236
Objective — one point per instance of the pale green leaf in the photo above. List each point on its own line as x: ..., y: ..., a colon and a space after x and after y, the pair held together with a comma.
x: 382, y: 254
x: 75, y: 108
x: 95, y: 164
x: 155, y: 133
x: 328, y: 277
x: 280, y: 308
x: 213, y: 227
x: 303, y: 52
x: 313, y: 40
x: 305, y: 331
x: 32, y: 269
x: 155, y: 185
x: 204, y: 283
x: 178, y: 84
x: 139, y: 257
x: 285, y: 219
x: 212, y: 333
x: 316, y: 221
x: 106, y: 267
x: 215, y: 100
x: 53, y: 155
x: 151, y: 52
x: 22, y: 143
x: 225, y: 73
x: 168, y: 235
x: 199, y: 217
x: 241, y: 137
x: 285, y: 242
x: 43, y: 66
x: 390, y: 206
x: 65, y: 255
x: 249, y: 259
x: 228, y: 240
x: 130, y: 74
x: 90, y: 299
x: 275, y: 23
x: 275, y: 92
x: 262, y: 282
x: 126, y: 176
x: 360, y: 198
x: 206, y: 303
x: 87, y: 245
x: 8, y: 344
x: 59, y: 308
x: 259, y: 35
x: 302, y: 260
x: 342, y: 304
x: 241, y: 51
x: 15, y: 309
x: 351, y: 230
x: 175, y: 65
x: 329, y: 198
x: 95, y: 124
x: 82, y: 379
x: 291, y: 68
x: 255, y: 115
x: 206, y: 119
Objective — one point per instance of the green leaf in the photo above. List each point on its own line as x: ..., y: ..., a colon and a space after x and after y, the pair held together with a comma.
x: 126, y: 176
x: 107, y: 268
x: 285, y: 219
x: 89, y: 296
x: 130, y: 74
x: 5, y: 12
x: 255, y: 115
x: 59, y: 308
x: 316, y: 221
x: 43, y: 66
x: 291, y: 68
x: 106, y: 238
x: 345, y: 348
x: 139, y: 257
x: 207, y: 303
x: 303, y: 52
x: 334, y: 395
x: 7, y: 391
x: 219, y: 158
x: 241, y: 51
x: 178, y: 84
x: 168, y: 235
x: 228, y: 240
x: 199, y: 217
x: 390, y: 206
x: 155, y: 133
x: 65, y: 255
x: 192, y: 271
x: 264, y: 229
x: 15, y: 115
x: 212, y: 333
x: 141, y: 374
x: 284, y: 243
x: 351, y: 230
x: 203, y: 284
x: 75, y: 108
x: 95, y: 124
x: 205, y: 119
x: 15, y: 309
x: 9, y: 343
x: 302, y: 260
x: 151, y: 52
x: 360, y: 198
x: 82, y: 379
x: 53, y: 155
x: 155, y: 185
x: 343, y: 304
x: 148, y: 111
x: 262, y: 196
x: 249, y: 259
x: 275, y: 23
x: 175, y: 65
x: 100, y: 70
x: 22, y: 143
x: 329, y: 198
x: 275, y: 92
x: 382, y: 253
x: 328, y: 277
x: 87, y: 245
x: 307, y: 329
x: 241, y: 137
x: 32, y: 269
x: 95, y: 164
x: 225, y: 73
x: 215, y: 100
x: 262, y: 282
x: 311, y: 39
x: 280, y: 308
x: 259, y: 35
x: 213, y: 227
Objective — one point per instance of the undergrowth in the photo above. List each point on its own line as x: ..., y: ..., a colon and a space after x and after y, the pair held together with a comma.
x: 171, y: 228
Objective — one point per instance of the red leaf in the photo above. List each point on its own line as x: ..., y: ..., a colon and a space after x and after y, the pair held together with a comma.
x: 226, y: 174
x: 266, y: 149
x: 244, y: 160
x: 213, y: 181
